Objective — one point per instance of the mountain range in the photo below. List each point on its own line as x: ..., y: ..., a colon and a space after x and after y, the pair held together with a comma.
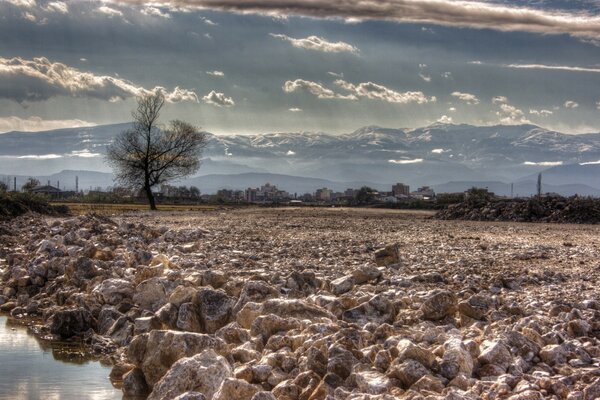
x: 445, y: 156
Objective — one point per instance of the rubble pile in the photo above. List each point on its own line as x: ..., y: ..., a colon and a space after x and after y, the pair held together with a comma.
x: 15, y: 204
x: 303, y: 304
x: 574, y: 210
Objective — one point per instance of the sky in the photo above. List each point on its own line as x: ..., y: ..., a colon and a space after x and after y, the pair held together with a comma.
x: 258, y: 66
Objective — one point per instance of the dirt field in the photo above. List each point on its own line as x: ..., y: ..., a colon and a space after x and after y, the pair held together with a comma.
x: 318, y: 303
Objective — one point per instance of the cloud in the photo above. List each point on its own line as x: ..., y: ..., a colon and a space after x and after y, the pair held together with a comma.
x: 447, y: 75
x: 39, y: 79
x: 336, y: 74
x: 57, y: 6
x: 541, y: 113
x: 415, y: 161
x: 367, y: 90
x: 35, y: 124
x: 295, y: 109
x: 553, y: 67
x: 459, y: 13
x: 111, y: 12
x: 452, y: 109
x: 571, y: 104
x: 208, y: 21
x: 314, y: 88
x: 426, y: 78
x: 218, y: 99
x: 544, y: 163
x: 508, y: 113
x: 22, y: 3
x: 155, y: 12
x: 372, y: 90
x: 215, y: 73
x: 444, y: 119
x: 467, y: 98
x: 598, y: 105
x: 40, y: 156
x: 319, y: 44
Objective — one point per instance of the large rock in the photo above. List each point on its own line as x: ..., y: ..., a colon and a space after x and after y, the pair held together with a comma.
x: 151, y: 294
x: 214, y: 308
x: 379, y: 309
x: 439, y: 304
x: 113, y: 291
x: 156, y: 351
x: 255, y: 291
x: 342, y: 285
x: 267, y: 325
x: 201, y: 373
x: 408, y: 372
x: 409, y: 350
x: 188, y: 318
x: 388, y: 255
x: 68, y: 323
x: 457, y: 359
x: 495, y: 353
x: 554, y: 354
x: 476, y: 306
x: 366, y: 273
x: 293, y: 308
x: 372, y: 382
x: 237, y: 389
x: 134, y: 384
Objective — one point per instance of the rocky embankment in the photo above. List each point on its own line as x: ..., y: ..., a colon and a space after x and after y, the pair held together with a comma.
x: 315, y: 304
x: 556, y: 209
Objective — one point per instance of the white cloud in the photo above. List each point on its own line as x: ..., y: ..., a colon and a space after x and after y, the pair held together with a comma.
x: 467, y: 98
x: 318, y: 43
x: 29, y: 16
x: 215, y: 73
x: 426, y: 78
x: 336, y: 74
x: 85, y: 153
x: 35, y: 124
x: 508, y: 113
x: 437, y: 151
x: 571, y: 104
x: 40, y: 156
x: 40, y: 79
x: 57, y: 6
x: 544, y: 163
x: 372, y: 90
x: 314, y: 88
x: 414, y: 161
x: 295, y: 109
x: 452, y: 109
x: 446, y: 75
x: 475, y: 14
x: 208, y: 21
x: 155, y: 12
x: 541, y: 113
x: 444, y: 119
x: 598, y: 105
x: 290, y: 153
x: 554, y: 67
x: 22, y: 3
x: 111, y: 12
x: 218, y: 99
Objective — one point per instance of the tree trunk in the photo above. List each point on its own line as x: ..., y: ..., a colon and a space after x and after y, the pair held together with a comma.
x: 150, y: 197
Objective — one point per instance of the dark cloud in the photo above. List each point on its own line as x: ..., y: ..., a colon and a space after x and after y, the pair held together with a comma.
x: 470, y: 14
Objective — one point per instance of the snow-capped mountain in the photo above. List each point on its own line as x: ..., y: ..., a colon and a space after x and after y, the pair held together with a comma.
x: 425, y: 156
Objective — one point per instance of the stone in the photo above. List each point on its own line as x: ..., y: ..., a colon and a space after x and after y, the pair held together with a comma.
x: 554, y: 354
x: 167, y: 316
x: 495, y: 353
x: 388, y: 255
x: 190, y: 396
x: 366, y: 273
x: 150, y: 294
x: 457, y: 359
x: 428, y: 383
x: 237, y: 389
x: 408, y: 372
x: 267, y: 325
x: 145, y: 324
x: 476, y: 306
x: 286, y: 390
x: 379, y: 310
x: 69, y: 323
x: 439, y: 304
x: 372, y: 382
x: 182, y: 294
x: 342, y: 285
x: 340, y: 361
x: 592, y: 391
x: 263, y: 396
x: 188, y: 318
x: 202, y: 373
x: 409, y: 350
x: 214, y: 307
x: 134, y: 384
x: 113, y: 291
x: 121, y: 331
x: 156, y: 351
x: 294, y: 308
x: 256, y: 292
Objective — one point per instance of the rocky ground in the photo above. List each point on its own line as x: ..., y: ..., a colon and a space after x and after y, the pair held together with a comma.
x: 316, y: 303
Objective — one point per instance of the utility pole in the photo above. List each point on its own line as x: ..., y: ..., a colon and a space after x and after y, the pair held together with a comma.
x: 76, y: 184
x: 15, y: 184
x: 512, y: 190
x: 539, y: 185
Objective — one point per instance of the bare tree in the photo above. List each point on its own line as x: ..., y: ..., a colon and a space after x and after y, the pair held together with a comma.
x: 30, y: 184
x: 148, y: 155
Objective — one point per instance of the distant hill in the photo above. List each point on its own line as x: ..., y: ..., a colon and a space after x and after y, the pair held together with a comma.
x: 431, y: 155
